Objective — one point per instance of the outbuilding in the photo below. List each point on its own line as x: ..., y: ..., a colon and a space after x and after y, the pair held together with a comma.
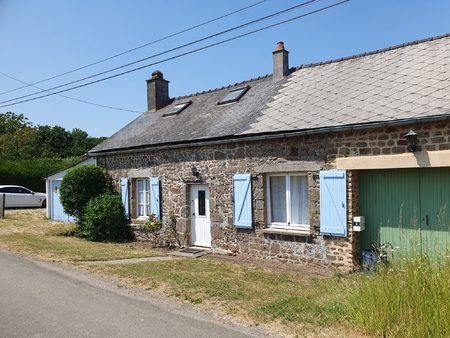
x: 55, y: 209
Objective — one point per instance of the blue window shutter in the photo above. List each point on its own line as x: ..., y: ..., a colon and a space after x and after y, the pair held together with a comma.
x: 242, y: 190
x: 333, y: 203
x: 125, y: 196
x: 154, y: 197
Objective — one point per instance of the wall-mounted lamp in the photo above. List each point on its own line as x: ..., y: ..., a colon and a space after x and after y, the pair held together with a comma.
x: 411, y: 140
x: 195, y: 172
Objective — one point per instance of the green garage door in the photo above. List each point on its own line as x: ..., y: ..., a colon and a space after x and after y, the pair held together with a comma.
x: 408, y: 208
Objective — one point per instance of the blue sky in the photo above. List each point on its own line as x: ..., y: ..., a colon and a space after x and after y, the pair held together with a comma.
x: 42, y: 38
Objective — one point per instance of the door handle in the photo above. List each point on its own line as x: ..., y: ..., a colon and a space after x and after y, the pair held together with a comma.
x: 426, y: 220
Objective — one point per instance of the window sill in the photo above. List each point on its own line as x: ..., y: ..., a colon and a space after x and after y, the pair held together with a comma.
x: 285, y: 231
x: 139, y: 220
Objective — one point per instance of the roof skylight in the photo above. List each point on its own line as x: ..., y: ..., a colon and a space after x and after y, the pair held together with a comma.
x: 233, y: 95
x: 177, y: 108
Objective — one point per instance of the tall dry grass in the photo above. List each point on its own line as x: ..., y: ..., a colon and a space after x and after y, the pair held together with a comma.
x: 410, y: 297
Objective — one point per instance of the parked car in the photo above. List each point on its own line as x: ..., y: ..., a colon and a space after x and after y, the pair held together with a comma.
x: 21, y: 197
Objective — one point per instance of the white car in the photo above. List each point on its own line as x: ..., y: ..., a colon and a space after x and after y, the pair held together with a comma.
x: 21, y: 197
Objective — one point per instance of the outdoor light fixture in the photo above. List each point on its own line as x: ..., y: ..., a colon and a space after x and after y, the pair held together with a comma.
x: 195, y: 172
x: 411, y: 140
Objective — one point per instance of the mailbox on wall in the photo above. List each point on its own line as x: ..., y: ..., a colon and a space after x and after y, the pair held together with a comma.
x: 359, y: 223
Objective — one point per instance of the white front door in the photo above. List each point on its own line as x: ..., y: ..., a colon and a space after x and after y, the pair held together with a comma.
x: 201, y: 223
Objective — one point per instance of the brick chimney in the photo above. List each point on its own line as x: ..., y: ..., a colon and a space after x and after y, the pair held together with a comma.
x: 157, y: 91
x: 280, y: 62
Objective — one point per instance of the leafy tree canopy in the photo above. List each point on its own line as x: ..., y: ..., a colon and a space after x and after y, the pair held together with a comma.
x: 21, y: 140
x: 11, y: 122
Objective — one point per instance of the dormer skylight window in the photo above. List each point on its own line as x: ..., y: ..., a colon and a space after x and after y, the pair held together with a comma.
x: 177, y: 108
x: 234, y: 95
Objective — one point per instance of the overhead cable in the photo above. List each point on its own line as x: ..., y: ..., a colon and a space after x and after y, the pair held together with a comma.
x: 185, y: 53
x: 70, y: 97
x: 138, y: 47
x: 168, y: 50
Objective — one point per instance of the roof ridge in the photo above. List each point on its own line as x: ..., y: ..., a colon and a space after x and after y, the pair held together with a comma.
x: 315, y: 64
x: 223, y: 87
x: 372, y: 52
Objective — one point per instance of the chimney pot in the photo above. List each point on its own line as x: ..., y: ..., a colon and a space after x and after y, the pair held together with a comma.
x: 157, y: 91
x: 280, y: 62
x: 157, y: 75
x: 280, y: 45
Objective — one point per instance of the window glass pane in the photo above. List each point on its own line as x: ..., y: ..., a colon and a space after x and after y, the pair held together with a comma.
x: 140, y: 187
x: 278, y: 199
x: 234, y: 95
x: 201, y: 203
x: 177, y: 109
x: 299, y: 200
x: 142, y: 197
x: 147, y: 190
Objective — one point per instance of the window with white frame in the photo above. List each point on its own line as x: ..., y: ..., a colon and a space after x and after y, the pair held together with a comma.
x: 143, y: 198
x: 288, y: 200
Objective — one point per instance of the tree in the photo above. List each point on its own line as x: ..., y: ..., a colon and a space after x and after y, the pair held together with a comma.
x: 11, y: 122
x: 16, y: 134
x: 17, y: 145
x: 80, y: 185
x: 93, y: 141
x: 52, y: 142
x: 79, y: 142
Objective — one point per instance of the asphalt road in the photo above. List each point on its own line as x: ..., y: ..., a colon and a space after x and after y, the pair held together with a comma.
x: 43, y: 300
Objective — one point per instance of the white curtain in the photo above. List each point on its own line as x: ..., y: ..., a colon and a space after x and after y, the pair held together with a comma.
x: 278, y: 199
x: 143, y: 197
x: 140, y: 186
x: 299, y: 200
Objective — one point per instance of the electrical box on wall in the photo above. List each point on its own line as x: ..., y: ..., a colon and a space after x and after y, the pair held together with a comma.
x: 359, y: 223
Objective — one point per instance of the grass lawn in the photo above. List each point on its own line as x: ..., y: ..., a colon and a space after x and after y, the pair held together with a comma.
x: 28, y: 231
x: 408, y: 298
x: 292, y: 304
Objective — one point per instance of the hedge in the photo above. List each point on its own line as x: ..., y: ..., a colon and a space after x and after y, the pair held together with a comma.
x: 31, y: 173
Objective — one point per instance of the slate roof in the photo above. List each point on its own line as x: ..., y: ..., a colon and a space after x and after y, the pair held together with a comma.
x: 409, y: 82
x: 405, y: 82
x: 202, y: 120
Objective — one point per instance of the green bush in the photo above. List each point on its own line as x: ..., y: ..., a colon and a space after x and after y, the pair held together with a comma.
x: 80, y: 185
x: 104, y: 219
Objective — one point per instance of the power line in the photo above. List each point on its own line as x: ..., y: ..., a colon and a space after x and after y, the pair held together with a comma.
x: 70, y: 97
x: 186, y: 53
x: 138, y: 47
x: 169, y: 50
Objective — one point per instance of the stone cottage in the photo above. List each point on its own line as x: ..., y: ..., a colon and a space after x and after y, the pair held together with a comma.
x: 278, y: 167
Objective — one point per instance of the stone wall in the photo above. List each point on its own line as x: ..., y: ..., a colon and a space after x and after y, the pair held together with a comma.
x: 216, y: 165
x: 162, y: 238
